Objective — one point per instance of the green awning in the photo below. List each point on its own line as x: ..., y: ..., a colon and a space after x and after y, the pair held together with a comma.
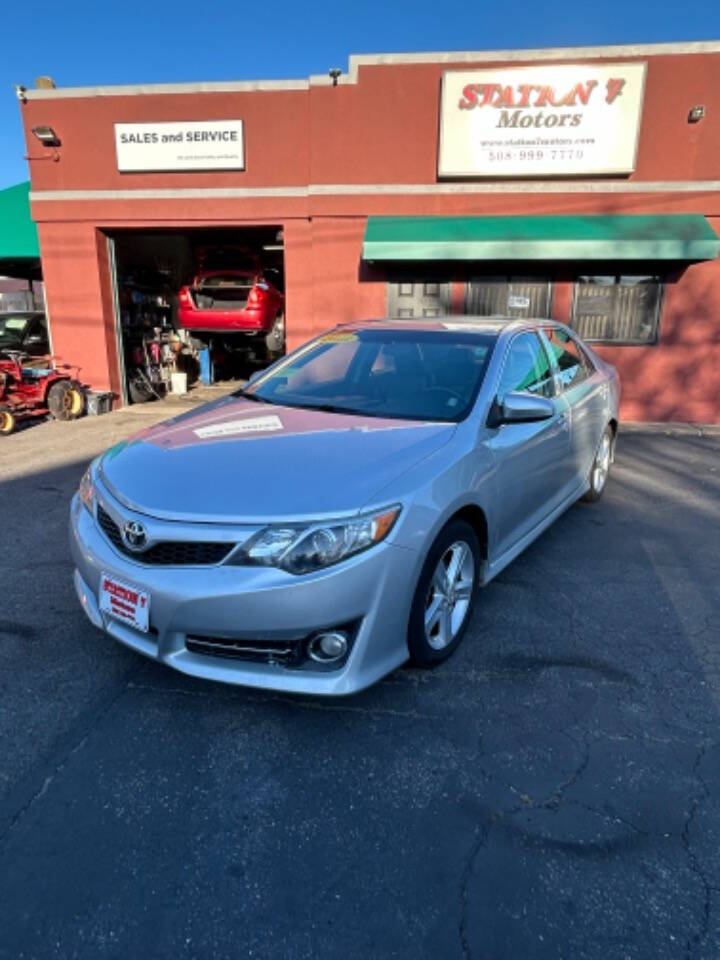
x: 661, y: 237
x: 18, y: 235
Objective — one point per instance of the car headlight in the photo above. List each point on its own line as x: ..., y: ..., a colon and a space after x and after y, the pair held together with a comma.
x: 86, y: 491
x: 302, y: 549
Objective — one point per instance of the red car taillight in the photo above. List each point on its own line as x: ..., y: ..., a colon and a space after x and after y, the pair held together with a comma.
x: 258, y: 292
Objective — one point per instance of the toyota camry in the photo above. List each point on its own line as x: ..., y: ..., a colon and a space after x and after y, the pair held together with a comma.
x: 336, y: 517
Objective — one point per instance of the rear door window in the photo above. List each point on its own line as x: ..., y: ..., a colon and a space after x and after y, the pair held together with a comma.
x: 570, y: 359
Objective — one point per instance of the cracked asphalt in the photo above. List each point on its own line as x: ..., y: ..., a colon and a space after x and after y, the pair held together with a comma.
x: 552, y: 791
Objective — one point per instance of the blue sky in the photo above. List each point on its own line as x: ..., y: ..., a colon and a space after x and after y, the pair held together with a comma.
x: 79, y: 42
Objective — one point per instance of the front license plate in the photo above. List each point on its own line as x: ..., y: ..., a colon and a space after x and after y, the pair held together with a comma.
x: 124, y: 601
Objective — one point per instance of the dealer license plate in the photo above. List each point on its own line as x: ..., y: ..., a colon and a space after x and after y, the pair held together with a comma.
x: 124, y: 601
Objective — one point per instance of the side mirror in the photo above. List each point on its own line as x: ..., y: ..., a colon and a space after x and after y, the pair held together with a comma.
x: 523, y: 408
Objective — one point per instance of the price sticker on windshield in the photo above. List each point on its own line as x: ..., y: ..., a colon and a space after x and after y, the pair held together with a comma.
x: 338, y: 338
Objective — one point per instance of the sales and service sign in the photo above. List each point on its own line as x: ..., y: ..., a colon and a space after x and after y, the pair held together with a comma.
x: 543, y: 121
x: 193, y: 145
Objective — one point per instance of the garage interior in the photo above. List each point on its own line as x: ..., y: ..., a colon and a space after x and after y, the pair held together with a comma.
x: 151, y: 268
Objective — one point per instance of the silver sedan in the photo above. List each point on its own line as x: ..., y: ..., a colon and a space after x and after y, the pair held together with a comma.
x: 335, y: 518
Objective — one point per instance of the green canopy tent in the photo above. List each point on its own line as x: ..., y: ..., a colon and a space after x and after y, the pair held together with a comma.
x: 19, y: 248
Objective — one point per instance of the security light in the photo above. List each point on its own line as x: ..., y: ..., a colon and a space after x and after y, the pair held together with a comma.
x: 20, y: 92
x: 46, y: 136
x: 334, y: 72
x: 696, y: 114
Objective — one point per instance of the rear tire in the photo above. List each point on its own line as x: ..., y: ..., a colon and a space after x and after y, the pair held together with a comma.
x: 8, y: 422
x: 66, y: 400
x: 275, y: 340
x: 445, y: 595
x: 600, y: 467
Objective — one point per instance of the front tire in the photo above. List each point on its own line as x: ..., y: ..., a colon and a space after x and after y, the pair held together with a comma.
x: 66, y: 400
x: 8, y: 422
x: 600, y: 467
x: 445, y: 595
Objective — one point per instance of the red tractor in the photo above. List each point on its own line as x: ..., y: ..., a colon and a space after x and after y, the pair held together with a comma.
x: 27, y: 392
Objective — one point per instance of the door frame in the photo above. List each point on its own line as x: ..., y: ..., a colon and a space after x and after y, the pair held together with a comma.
x: 112, y: 260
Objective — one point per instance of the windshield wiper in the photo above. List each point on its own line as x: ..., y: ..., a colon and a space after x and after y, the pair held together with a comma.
x: 252, y: 396
x: 348, y: 411
x: 327, y: 408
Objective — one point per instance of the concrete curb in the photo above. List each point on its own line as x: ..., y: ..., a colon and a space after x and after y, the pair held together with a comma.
x: 673, y: 429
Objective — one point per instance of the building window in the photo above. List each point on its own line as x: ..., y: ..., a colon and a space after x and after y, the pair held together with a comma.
x: 617, y: 309
x: 508, y: 296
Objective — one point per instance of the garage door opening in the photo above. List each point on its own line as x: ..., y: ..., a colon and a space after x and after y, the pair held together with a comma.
x: 200, y: 303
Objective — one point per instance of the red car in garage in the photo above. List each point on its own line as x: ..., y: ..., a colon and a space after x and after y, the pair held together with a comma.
x: 235, y: 301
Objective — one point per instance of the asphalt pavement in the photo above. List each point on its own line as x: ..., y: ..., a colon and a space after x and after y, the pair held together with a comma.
x: 552, y: 791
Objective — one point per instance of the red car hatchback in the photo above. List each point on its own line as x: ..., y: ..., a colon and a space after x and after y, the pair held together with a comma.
x: 234, y: 301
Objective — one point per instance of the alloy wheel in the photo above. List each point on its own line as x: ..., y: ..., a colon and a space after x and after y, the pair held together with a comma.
x: 449, y: 595
x: 601, y: 466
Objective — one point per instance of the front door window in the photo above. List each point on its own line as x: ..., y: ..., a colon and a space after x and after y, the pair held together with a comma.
x: 526, y: 369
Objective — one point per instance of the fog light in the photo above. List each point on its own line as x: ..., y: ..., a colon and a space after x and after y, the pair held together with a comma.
x: 328, y: 647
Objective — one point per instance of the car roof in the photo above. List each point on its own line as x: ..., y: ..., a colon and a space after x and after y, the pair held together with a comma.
x: 449, y: 322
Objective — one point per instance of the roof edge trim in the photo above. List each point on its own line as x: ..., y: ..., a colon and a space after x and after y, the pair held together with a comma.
x: 386, y: 59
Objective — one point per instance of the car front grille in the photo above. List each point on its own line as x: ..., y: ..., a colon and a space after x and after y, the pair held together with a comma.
x: 285, y: 652
x: 168, y: 553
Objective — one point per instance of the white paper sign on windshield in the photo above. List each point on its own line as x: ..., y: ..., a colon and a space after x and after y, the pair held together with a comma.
x: 232, y: 428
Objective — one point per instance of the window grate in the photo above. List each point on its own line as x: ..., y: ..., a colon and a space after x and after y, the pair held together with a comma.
x: 617, y: 309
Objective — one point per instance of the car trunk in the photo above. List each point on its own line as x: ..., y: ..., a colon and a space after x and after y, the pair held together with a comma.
x: 230, y: 294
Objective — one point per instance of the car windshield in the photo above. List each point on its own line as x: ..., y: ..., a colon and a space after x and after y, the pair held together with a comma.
x: 12, y: 329
x: 404, y: 374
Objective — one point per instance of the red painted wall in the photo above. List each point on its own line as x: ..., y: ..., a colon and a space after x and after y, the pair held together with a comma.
x: 382, y: 130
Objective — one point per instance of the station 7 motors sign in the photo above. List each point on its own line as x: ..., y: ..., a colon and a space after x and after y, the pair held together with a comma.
x: 542, y: 121
x: 190, y: 145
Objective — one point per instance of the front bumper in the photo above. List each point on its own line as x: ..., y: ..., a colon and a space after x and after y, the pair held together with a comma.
x: 373, y: 590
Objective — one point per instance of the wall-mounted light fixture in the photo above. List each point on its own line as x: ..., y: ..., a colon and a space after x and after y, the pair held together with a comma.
x: 46, y: 136
x: 334, y: 72
x: 696, y: 114
x: 20, y: 92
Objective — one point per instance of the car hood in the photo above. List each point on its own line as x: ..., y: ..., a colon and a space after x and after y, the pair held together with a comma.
x: 240, y: 461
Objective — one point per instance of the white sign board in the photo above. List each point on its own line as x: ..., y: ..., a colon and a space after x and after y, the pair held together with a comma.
x: 193, y: 145
x: 542, y: 121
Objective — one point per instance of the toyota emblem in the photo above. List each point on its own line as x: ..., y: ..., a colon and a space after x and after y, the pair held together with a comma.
x: 134, y: 535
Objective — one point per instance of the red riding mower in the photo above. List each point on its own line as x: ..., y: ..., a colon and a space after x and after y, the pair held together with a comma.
x: 27, y: 392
